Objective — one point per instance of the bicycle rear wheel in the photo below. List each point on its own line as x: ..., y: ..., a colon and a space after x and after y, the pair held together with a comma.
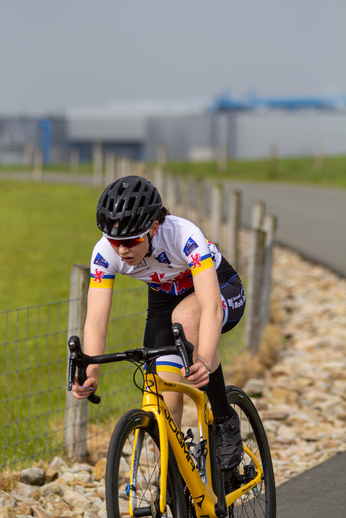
x: 137, y: 430
x: 260, y: 501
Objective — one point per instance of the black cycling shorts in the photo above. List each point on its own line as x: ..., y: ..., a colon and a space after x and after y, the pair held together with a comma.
x: 158, y: 332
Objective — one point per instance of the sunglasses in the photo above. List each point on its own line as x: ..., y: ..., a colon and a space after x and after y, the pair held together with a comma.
x: 126, y: 242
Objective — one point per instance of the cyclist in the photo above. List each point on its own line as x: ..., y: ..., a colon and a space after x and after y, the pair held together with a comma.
x: 188, y: 282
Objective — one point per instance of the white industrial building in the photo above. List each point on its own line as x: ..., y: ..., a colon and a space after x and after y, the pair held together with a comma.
x: 197, y: 129
x: 192, y: 129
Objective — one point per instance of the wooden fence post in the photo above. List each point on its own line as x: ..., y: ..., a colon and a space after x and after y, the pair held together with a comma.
x: 269, y: 226
x: 98, y: 165
x: 110, y: 169
x: 215, y: 212
x: 74, y: 165
x: 223, y: 158
x: 206, y: 196
x: 28, y: 158
x: 76, y: 413
x: 254, y: 287
x: 257, y: 215
x: 170, y: 193
x: 159, y: 181
x: 273, y: 160
x: 200, y: 203
x: 233, y: 224
x: 162, y: 154
x: 319, y: 160
x: 255, y: 278
x: 37, y: 172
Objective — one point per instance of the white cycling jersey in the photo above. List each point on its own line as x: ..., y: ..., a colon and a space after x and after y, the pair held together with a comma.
x: 179, y: 251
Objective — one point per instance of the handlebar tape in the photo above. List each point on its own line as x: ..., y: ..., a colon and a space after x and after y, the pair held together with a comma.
x: 82, y: 377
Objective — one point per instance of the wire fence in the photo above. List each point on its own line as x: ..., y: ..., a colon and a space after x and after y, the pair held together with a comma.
x: 35, y: 409
x: 33, y: 377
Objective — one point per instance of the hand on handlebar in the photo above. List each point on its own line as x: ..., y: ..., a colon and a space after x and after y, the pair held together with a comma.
x: 86, y: 389
x: 199, y: 376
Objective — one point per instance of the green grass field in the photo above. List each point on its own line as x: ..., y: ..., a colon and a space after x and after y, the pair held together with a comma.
x: 44, y: 230
x: 328, y: 171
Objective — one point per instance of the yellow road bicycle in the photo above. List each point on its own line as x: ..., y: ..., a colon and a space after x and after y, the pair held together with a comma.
x: 153, y: 469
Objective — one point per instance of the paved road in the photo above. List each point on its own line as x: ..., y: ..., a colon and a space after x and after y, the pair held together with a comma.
x: 312, y: 220
x: 316, y: 493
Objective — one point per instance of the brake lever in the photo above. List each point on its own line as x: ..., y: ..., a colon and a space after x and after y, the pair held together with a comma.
x: 76, y: 355
x: 180, y: 342
x: 71, y: 372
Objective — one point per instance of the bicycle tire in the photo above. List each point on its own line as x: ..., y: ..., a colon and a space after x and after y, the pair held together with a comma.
x: 118, y: 470
x: 259, y: 502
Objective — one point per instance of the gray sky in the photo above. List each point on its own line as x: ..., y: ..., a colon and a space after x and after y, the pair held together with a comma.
x: 74, y: 53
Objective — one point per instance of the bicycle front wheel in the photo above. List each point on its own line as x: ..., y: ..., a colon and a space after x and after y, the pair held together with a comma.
x: 133, y: 470
x: 260, y: 501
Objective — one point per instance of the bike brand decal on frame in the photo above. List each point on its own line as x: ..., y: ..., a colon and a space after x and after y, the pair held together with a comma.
x: 180, y: 438
x: 206, y: 413
x: 249, y: 487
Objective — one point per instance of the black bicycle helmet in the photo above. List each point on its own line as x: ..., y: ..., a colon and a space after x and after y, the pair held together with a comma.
x: 128, y: 207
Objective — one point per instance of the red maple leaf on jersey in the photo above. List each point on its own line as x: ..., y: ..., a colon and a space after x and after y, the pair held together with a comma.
x: 179, y: 284
x: 157, y: 277
x: 184, y: 281
x: 158, y: 284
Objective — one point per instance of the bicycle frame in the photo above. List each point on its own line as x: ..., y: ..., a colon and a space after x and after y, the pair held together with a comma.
x: 202, y: 494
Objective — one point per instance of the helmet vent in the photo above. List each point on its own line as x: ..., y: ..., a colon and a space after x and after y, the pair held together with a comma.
x: 142, y: 203
x: 130, y: 203
x: 119, y: 207
x: 111, y: 205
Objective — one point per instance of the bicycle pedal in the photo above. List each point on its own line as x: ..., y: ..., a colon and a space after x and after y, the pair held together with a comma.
x: 249, y: 472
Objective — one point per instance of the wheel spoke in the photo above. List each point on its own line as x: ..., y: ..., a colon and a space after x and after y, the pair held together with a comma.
x: 145, y: 470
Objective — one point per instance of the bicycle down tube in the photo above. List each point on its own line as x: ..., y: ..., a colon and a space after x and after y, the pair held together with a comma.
x: 203, y: 496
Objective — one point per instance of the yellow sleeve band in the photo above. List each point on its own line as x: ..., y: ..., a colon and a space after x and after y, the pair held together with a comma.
x: 199, y: 265
x: 100, y: 280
